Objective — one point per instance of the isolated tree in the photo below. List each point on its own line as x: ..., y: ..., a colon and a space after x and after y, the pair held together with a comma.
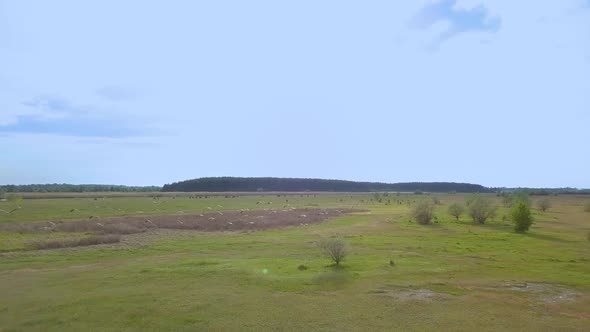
x: 480, y: 209
x: 522, y: 217
x: 423, y: 212
x: 456, y: 210
x: 334, y: 248
x: 544, y: 204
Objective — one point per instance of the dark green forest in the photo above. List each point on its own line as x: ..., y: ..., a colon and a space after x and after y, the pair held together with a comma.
x: 73, y: 188
x: 220, y: 184
x: 266, y: 184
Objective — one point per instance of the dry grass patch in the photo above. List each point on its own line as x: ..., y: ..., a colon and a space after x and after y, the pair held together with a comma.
x: 68, y: 243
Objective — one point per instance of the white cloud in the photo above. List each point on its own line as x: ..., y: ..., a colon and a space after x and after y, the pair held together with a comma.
x: 460, y: 19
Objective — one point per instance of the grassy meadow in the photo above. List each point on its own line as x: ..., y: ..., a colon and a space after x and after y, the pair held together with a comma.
x: 451, y: 275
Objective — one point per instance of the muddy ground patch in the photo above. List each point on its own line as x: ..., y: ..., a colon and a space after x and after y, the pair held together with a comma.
x: 242, y: 220
x: 410, y: 294
x: 544, y: 292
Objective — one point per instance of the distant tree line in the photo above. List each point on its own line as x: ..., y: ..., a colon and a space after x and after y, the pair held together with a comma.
x: 220, y: 184
x: 76, y: 188
x: 542, y: 191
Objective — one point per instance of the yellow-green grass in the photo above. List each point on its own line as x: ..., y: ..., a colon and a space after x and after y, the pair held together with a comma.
x: 185, y: 280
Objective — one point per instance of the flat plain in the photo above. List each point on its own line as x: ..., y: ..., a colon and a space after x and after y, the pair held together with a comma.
x: 399, y: 275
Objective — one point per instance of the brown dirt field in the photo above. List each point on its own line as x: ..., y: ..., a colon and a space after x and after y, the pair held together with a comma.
x: 244, y: 220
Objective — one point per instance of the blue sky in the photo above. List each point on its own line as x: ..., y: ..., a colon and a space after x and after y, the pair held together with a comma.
x: 150, y: 92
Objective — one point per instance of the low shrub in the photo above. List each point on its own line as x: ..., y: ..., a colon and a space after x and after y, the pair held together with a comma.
x: 522, y: 217
x: 480, y: 209
x: 423, y: 212
x: 334, y: 248
x: 544, y: 204
x: 456, y: 210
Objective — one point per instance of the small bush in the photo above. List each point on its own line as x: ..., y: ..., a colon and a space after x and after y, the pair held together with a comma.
x: 456, y: 210
x: 522, y: 218
x: 334, y: 248
x: 423, y: 212
x: 480, y: 209
x: 302, y: 267
x: 587, y: 207
x: 544, y: 204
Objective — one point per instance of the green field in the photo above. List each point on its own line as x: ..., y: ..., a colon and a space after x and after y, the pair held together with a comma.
x: 451, y: 275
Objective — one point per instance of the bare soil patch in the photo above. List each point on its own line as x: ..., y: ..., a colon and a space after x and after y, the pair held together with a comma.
x: 412, y: 294
x: 243, y: 220
x: 546, y: 293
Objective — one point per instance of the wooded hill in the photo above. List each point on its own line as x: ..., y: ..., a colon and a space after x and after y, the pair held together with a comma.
x: 220, y: 184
